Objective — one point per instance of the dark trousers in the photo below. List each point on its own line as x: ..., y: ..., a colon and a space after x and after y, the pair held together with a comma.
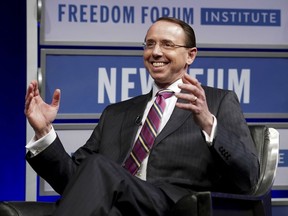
x: 101, y: 187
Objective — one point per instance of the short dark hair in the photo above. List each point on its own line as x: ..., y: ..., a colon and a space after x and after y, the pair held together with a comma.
x: 189, y: 32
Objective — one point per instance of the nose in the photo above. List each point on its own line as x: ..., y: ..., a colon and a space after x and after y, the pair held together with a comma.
x: 157, y: 50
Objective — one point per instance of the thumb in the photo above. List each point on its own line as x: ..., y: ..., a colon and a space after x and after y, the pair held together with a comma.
x: 56, y: 98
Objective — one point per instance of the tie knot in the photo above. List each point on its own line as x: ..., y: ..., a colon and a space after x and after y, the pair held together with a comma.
x: 166, y: 93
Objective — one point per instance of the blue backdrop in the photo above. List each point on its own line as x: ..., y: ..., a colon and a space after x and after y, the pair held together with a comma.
x: 12, y: 88
x: 259, y: 82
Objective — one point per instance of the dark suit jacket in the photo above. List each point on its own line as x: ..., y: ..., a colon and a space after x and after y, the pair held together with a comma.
x: 180, y: 160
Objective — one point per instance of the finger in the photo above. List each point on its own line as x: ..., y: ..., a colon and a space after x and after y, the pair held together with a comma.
x: 189, y: 98
x: 194, y: 99
x: 183, y: 106
x: 36, y: 88
x: 29, y: 90
x: 190, y: 89
x: 188, y: 79
x: 190, y: 83
x: 28, y: 102
x: 56, y: 98
x: 32, y: 88
x: 29, y: 95
x: 194, y: 81
x: 188, y: 106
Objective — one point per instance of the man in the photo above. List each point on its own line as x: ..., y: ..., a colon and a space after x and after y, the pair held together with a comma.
x: 202, y: 143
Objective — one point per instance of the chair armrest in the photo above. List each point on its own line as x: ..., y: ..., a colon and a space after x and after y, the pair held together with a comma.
x: 26, y: 208
x: 237, y: 196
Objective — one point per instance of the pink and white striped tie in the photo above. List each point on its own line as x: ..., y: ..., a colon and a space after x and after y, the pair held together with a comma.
x: 148, y: 133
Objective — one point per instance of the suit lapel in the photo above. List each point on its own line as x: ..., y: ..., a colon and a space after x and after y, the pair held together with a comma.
x: 177, y: 118
x: 129, y: 127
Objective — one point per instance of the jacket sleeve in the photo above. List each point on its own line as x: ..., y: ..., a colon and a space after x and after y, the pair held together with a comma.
x: 56, y: 166
x: 234, y: 146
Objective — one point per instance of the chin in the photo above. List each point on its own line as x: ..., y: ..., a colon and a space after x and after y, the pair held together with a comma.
x: 159, y: 78
x: 162, y: 83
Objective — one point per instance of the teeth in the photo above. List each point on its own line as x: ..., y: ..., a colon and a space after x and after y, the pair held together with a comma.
x: 158, y: 64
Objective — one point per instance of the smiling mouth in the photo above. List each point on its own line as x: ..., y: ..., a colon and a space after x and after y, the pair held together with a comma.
x: 158, y: 64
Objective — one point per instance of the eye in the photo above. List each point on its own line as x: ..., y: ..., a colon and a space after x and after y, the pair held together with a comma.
x: 150, y: 44
x: 168, y: 44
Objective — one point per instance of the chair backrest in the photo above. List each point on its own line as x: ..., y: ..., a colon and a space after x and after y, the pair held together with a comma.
x: 257, y: 203
x: 267, y: 144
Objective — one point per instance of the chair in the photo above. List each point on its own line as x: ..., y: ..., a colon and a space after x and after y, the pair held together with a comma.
x: 203, y: 203
x: 257, y: 203
x: 26, y: 208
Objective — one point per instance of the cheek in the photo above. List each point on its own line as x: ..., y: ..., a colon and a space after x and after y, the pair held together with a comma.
x: 146, y: 55
x: 181, y: 60
x: 177, y: 62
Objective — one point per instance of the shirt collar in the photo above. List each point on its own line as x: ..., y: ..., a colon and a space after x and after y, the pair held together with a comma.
x: 173, y: 87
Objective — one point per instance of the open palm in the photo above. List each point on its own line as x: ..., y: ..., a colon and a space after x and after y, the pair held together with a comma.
x: 40, y: 114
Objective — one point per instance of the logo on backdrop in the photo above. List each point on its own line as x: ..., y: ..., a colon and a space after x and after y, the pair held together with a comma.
x: 105, y: 22
x: 241, y: 17
x: 120, y: 14
x: 127, y: 15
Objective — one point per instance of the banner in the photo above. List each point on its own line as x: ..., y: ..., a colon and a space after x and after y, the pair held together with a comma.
x: 258, y: 23
x: 91, y: 80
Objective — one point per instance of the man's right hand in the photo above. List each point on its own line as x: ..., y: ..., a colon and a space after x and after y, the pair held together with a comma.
x: 40, y: 114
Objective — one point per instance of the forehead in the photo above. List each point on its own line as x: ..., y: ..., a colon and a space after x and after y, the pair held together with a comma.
x: 164, y: 30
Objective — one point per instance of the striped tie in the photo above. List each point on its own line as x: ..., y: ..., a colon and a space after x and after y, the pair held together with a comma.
x: 148, y: 133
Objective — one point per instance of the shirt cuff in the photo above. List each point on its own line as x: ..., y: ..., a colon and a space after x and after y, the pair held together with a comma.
x: 37, y: 146
x: 209, y: 139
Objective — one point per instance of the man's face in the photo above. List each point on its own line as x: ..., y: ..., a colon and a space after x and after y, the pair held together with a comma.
x: 165, y: 64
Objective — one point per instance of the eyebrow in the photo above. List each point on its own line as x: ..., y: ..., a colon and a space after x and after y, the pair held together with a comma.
x: 164, y: 40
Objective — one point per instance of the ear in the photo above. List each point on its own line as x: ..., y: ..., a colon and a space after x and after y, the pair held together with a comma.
x: 191, y: 55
